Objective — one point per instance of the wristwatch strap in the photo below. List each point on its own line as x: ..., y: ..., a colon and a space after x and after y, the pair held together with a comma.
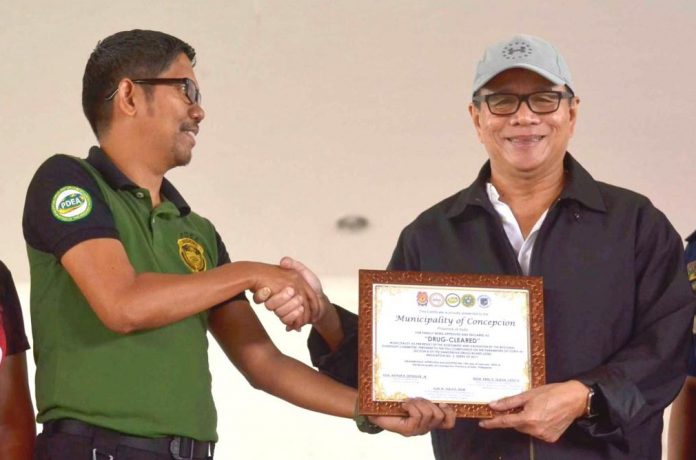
x: 591, y: 406
x: 363, y: 423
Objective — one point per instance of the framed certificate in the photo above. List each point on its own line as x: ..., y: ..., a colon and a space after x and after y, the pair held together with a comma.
x: 464, y: 340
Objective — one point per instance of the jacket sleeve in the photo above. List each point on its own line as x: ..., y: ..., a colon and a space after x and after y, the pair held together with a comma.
x: 341, y: 364
x: 645, y: 375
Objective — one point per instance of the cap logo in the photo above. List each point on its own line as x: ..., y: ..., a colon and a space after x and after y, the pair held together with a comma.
x: 192, y: 253
x: 517, y: 50
x: 71, y: 203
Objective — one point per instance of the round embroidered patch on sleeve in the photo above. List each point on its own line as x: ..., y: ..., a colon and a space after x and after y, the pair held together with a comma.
x: 71, y: 203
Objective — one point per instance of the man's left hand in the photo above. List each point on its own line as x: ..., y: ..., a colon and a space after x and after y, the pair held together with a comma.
x: 547, y: 411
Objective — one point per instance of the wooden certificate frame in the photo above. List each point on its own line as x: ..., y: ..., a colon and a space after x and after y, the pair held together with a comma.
x: 453, y: 338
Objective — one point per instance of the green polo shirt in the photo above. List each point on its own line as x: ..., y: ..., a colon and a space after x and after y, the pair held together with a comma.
x: 149, y: 383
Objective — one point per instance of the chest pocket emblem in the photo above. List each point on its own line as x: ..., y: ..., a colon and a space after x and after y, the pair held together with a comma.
x: 193, y: 254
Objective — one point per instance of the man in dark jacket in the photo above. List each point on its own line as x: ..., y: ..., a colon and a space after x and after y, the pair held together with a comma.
x: 616, y: 297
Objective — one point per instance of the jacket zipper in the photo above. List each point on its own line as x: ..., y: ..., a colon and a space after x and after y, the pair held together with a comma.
x: 531, y: 448
x: 535, y: 251
x: 518, y: 271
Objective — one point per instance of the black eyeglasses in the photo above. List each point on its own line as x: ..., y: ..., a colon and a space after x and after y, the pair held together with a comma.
x: 191, y: 90
x: 540, y: 102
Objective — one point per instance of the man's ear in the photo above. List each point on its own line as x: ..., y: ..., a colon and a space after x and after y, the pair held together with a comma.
x: 125, y: 100
x: 573, y: 108
x: 475, y: 118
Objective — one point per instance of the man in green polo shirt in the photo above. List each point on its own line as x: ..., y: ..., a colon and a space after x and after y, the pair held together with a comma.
x: 127, y: 280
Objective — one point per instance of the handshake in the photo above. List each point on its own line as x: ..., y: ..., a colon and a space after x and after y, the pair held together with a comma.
x: 295, y: 296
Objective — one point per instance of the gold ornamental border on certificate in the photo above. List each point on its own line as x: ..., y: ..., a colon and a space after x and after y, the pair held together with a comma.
x: 367, y: 278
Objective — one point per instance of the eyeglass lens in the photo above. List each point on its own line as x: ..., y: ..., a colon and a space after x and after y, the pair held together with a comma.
x: 192, y: 92
x: 541, y: 102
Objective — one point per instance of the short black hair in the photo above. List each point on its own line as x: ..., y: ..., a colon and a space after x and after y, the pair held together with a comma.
x: 133, y: 54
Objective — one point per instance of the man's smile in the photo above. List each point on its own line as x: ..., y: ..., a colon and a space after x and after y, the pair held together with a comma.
x: 525, y: 140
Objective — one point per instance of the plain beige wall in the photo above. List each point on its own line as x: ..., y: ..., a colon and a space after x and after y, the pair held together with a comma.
x: 317, y: 109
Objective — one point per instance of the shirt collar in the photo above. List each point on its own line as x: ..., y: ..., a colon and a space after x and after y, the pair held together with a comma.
x: 119, y: 181
x: 579, y: 186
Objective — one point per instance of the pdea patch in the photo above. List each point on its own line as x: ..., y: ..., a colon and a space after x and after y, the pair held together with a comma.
x: 71, y: 203
x: 193, y: 254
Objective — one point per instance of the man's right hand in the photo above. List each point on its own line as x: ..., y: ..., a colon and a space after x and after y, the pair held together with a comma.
x: 294, y: 292
x: 286, y: 304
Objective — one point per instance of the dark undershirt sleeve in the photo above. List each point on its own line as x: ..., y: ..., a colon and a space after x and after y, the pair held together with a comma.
x: 43, y: 230
x: 224, y: 258
x: 11, y: 314
x: 342, y: 364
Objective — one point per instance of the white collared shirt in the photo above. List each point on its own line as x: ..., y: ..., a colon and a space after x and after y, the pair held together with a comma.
x: 523, y: 247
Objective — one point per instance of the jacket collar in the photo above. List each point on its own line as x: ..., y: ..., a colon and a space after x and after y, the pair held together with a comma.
x: 119, y: 181
x: 579, y: 186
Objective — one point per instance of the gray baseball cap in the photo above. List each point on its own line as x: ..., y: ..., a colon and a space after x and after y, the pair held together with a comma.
x: 526, y: 52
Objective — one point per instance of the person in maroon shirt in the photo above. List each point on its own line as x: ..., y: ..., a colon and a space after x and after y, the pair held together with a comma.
x: 17, y: 426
